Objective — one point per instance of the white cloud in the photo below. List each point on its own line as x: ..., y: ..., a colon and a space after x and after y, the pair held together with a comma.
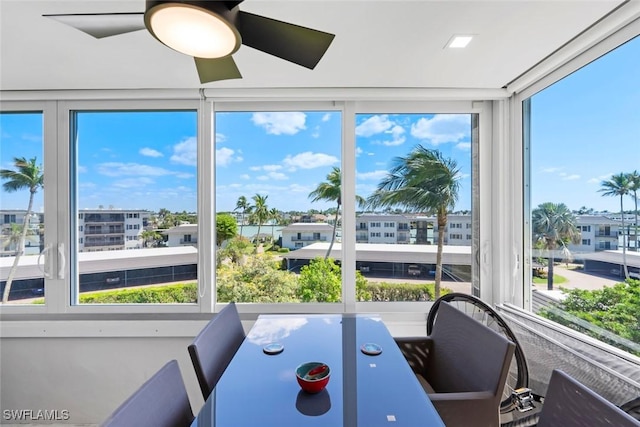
x: 326, y: 117
x: 82, y: 169
x: 220, y: 138
x: 599, y: 179
x: 316, y: 132
x: 442, y: 128
x: 255, y: 168
x: 464, y: 146
x: 571, y: 177
x: 150, y: 152
x: 374, y: 125
x: 245, y: 176
x: 358, y: 151
x: 279, y: 123
x: 130, y: 169
x: 272, y: 168
x: 375, y: 175
x: 309, y: 160
x: 133, y: 182
x: 184, y: 175
x: 224, y: 156
x: 186, y: 152
x: 551, y: 170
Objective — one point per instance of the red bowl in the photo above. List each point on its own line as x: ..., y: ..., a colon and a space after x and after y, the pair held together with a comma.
x: 313, y: 383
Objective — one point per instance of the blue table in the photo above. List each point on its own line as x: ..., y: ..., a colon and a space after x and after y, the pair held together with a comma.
x: 260, y: 390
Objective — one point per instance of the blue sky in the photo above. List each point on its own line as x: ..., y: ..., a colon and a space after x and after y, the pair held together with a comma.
x: 584, y: 129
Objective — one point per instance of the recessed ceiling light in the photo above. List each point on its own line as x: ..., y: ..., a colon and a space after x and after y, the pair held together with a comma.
x: 459, y: 41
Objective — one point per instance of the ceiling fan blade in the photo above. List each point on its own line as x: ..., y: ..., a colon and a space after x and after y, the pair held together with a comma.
x: 300, y: 45
x: 101, y: 25
x: 214, y: 69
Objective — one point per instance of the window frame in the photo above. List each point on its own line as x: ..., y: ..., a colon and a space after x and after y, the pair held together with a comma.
x: 572, y: 59
x: 58, y: 115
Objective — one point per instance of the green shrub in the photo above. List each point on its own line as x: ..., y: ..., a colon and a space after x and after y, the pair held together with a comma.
x: 162, y: 294
x: 320, y: 281
x: 283, y: 250
x: 258, y: 280
x: 384, y: 291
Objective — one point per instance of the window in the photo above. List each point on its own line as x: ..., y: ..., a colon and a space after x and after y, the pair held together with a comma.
x: 23, y: 229
x: 384, y: 143
x: 584, y: 151
x: 280, y: 173
x: 133, y: 160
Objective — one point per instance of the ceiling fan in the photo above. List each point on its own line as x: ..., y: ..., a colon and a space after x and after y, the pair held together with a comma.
x: 210, y: 31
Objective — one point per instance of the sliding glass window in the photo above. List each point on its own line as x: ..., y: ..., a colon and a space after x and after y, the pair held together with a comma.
x: 22, y: 232
x: 413, y: 198
x: 277, y: 197
x: 134, y: 202
x: 584, y: 178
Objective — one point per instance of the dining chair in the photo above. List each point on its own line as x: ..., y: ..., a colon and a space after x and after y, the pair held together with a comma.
x: 162, y: 401
x: 214, y: 347
x: 569, y: 403
x: 462, y: 366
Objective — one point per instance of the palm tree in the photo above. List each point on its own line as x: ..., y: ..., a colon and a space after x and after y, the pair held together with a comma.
x: 423, y: 181
x: 634, y: 186
x: 619, y: 185
x: 11, y: 236
x: 331, y: 191
x: 554, y: 226
x: 243, y: 204
x: 151, y: 238
x: 274, y: 216
x: 260, y: 212
x: 27, y: 174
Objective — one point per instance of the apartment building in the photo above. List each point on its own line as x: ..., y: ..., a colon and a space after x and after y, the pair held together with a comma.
x: 34, y: 239
x: 299, y: 234
x: 377, y: 228
x: 111, y: 229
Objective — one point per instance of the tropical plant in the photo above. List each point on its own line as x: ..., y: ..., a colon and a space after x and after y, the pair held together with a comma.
x: 553, y: 227
x: 226, y: 228
x: 619, y: 185
x: 258, y: 280
x: 423, y: 181
x: 260, y: 212
x: 11, y: 236
x: 274, y: 217
x: 634, y: 186
x: 151, y: 238
x: 27, y: 174
x: 245, y: 207
x: 320, y: 281
x: 331, y: 190
x: 235, y: 250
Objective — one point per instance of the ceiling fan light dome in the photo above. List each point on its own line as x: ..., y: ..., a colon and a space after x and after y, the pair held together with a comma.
x: 192, y: 30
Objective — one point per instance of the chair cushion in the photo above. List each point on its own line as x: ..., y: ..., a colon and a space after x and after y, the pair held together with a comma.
x: 425, y: 384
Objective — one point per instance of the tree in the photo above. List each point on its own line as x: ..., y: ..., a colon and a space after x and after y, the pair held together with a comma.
x: 260, y: 212
x: 554, y: 226
x: 274, y: 217
x: 331, y: 191
x: 423, y: 181
x: 226, y: 228
x: 151, y: 238
x: 243, y: 204
x: 634, y: 186
x: 27, y: 174
x: 320, y: 281
x: 619, y: 185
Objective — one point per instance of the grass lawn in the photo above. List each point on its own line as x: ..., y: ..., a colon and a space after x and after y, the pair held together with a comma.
x: 557, y: 280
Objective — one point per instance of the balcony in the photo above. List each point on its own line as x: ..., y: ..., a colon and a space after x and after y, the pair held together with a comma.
x: 308, y: 239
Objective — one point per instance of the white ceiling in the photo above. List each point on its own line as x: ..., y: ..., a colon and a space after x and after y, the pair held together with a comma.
x: 395, y: 43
